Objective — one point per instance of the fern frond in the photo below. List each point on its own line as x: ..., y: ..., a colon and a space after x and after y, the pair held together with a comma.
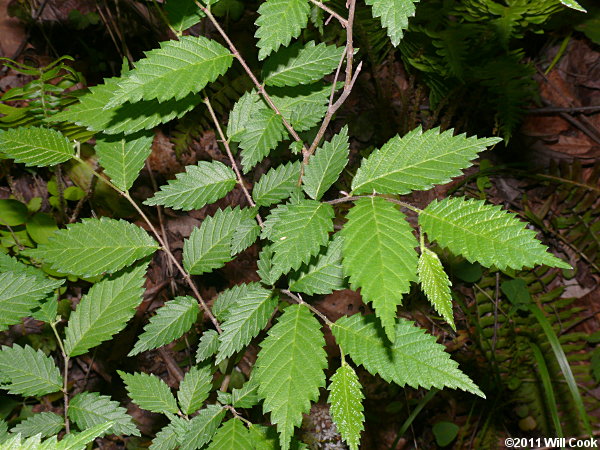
x: 325, y: 166
x: 289, y: 369
x: 104, y: 310
x: 484, y: 233
x: 277, y: 184
x: 325, y: 274
x: 278, y: 22
x: 296, y: 65
x: 417, y: 161
x: 379, y: 256
x: 299, y: 234
x: 35, y: 146
x: 435, y: 284
x: 200, y: 185
x: 194, y: 388
x: 27, y: 372
x: 123, y: 157
x: 88, y: 409
x: 95, y: 246
x: 414, y: 358
x: 172, y: 320
x: 346, y: 399
x: 245, y: 319
x: 149, y: 392
x: 173, y: 71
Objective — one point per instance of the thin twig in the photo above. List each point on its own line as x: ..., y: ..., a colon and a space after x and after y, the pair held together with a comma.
x: 328, y: 10
x: 299, y: 300
x: 65, y: 388
x: 165, y: 248
x: 259, y: 86
x: 352, y: 198
x: 234, y: 165
x: 171, y: 364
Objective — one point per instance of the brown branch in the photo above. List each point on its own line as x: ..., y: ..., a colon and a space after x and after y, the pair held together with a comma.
x: 299, y: 300
x: 328, y: 10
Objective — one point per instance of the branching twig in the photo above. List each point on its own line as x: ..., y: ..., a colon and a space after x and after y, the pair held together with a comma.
x: 299, y: 300
x: 328, y: 10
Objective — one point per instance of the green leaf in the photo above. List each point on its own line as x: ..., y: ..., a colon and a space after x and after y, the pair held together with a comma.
x: 13, y: 213
x: 228, y: 298
x: 277, y: 184
x: 104, y: 310
x: 241, y: 114
x: 435, y: 284
x: 296, y: 65
x: 325, y: 166
x: 129, y: 118
x: 194, y: 388
x: 246, y: 396
x: 76, y: 441
x: 417, y: 161
x: 289, y: 369
x: 244, y: 236
x: 35, y: 146
x: 209, y: 246
x: 88, y: 409
x: 325, y: 274
x: 299, y: 234
x: 304, y: 106
x: 573, y: 5
x: 279, y: 21
x: 10, y: 264
x: 27, y: 372
x: 414, y: 358
x: 208, y: 346
x: 173, y: 71
x: 265, y: 266
x: 245, y: 319
x: 379, y: 256
x: 394, y: 15
x: 182, y: 14
x: 232, y: 435
x: 123, y: 157
x: 95, y: 246
x: 19, y: 294
x: 44, y: 423
x: 171, y: 321
x: 202, y: 427
x: 168, y: 438
x: 200, y: 185
x: 261, y: 135
x: 485, y: 233
x: 346, y: 399
x: 149, y: 392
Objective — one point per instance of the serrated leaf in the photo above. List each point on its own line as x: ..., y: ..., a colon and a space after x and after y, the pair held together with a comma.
x: 123, y: 157
x: 10, y: 264
x: 19, y: 294
x: 242, y: 113
x: 88, y: 409
x: 379, y: 256
x: 485, y: 233
x: 182, y: 14
x: 173, y: 71
x: 209, y: 246
x: 246, y: 396
x: 149, y: 392
x: 417, y: 161
x: 44, y: 423
x: 194, y: 388
x: 279, y: 21
x: 261, y: 135
x: 394, y: 15
x: 35, y: 146
x: 245, y: 319
x: 200, y: 185
x: 244, y: 236
x: 325, y: 166
x: 27, y: 372
x: 435, y: 284
x: 202, y: 427
x: 77, y: 441
x: 128, y: 118
x: 208, y: 345
x: 277, y: 184
x: 104, y: 310
x: 303, y: 106
x: 273, y: 217
x: 168, y: 437
x: 265, y: 266
x: 264, y: 438
x: 346, y: 409
x: 232, y: 435
x: 228, y: 298
x: 171, y: 321
x: 289, y: 369
x: 296, y: 65
x: 325, y: 274
x: 299, y: 234
x: 48, y: 310
x: 414, y: 358
x: 95, y: 246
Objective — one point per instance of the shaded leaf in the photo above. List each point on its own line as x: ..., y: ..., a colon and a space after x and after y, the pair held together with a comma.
x: 27, y: 372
